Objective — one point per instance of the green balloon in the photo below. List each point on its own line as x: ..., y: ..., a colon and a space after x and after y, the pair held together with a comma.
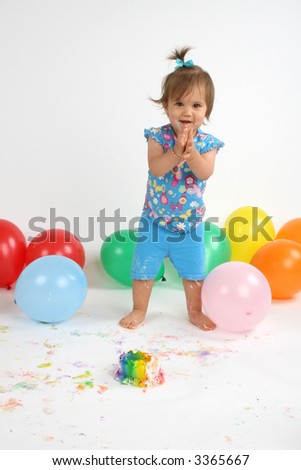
x: 116, y: 256
x: 217, y: 246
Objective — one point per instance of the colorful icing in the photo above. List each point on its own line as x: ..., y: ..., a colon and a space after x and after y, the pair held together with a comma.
x: 140, y: 369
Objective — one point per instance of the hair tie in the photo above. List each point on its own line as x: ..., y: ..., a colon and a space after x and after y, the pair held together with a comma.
x: 180, y: 63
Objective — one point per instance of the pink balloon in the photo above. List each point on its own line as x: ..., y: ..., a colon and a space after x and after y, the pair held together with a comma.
x: 236, y: 296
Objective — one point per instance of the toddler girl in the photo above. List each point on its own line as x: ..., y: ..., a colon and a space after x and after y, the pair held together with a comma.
x: 181, y: 158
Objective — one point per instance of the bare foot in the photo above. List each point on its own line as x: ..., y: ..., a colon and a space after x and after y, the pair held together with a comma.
x: 201, y: 321
x: 133, y: 319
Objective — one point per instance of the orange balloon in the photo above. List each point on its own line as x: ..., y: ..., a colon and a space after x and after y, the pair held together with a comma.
x: 291, y: 230
x: 280, y: 262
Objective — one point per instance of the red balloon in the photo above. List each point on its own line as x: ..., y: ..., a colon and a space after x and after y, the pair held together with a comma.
x: 12, y: 253
x: 56, y: 242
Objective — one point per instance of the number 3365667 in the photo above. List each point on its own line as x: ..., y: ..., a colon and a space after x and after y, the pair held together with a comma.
x: 221, y: 459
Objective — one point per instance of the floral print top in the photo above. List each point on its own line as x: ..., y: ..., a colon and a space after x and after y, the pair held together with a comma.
x: 176, y: 199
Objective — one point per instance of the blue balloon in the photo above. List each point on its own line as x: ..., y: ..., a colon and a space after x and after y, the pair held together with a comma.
x: 51, y: 289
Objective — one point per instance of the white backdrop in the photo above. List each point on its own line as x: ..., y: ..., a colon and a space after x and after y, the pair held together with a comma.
x: 75, y: 81
x: 75, y: 78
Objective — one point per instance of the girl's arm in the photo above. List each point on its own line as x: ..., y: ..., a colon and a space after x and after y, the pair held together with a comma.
x: 202, y: 164
x: 160, y: 162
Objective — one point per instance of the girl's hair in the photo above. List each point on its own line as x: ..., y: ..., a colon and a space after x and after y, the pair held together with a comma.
x: 182, y: 80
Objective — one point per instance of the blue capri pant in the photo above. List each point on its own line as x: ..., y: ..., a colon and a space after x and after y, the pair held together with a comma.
x: 154, y: 243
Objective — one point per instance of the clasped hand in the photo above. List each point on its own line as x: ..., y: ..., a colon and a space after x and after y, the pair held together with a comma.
x: 184, y: 142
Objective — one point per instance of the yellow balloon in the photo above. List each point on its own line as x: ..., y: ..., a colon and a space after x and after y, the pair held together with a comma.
x: 248, y: 229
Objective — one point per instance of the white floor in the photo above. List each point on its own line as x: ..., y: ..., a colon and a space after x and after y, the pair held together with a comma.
x: 222, y: 391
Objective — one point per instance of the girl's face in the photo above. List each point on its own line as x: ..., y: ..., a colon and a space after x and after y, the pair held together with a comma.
x: 189, y: 110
